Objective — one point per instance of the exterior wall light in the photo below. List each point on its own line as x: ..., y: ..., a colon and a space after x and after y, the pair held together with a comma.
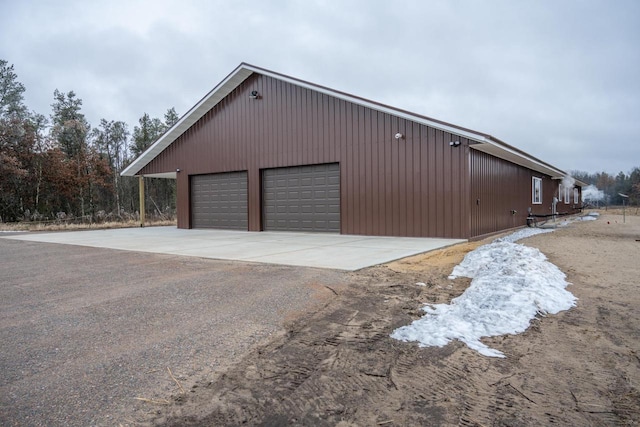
x: 178, y: 170
x: 454, y: 143
x: 398, y: 136
x: 254, y: 94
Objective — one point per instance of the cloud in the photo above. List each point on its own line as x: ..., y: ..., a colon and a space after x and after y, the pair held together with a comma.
x: 556, y: 79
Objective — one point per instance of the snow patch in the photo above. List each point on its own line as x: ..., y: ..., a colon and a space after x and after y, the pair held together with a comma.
x: 523, y: 234
x: 511, y: 285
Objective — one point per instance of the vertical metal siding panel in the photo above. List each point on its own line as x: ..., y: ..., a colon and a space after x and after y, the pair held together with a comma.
x: 303, y: 133
x: 326, y: 155
x: 276, y: 105
x: 359, y: 158
x: 352, y: 160
x: 417, y: 180
x: 328, y: 132
x: 182, y: 202
x: 395, y: 179
x: 439, y: 193
x: 351, y: 185
x: 433, y: 213
x: 407, y: 160
x: 306, y: 155
x: 388, y: 175
x: 292, y: 103
x: 268, y: 129
x: 355, y: 167
x: 403, y: 184
x: 452, y: 177
x: 362, y: 173
x: 368, y: 164
x: 380, y: 171
x: 463, y: 193
x: 341, y: 155
x: 344, y: 168
x: 447, y: 199
x: 288, y: 136
x: 317, y: 125
x: 222, y: 145
x: 303, y: 155
x: 467, y: 190
x: 355, y: 181
x: 406, y: 175
x: 457, y: 154
x: 424, y: 179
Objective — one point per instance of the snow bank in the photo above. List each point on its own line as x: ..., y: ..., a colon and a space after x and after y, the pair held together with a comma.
x: 523, y: 234
x: 511, y: 284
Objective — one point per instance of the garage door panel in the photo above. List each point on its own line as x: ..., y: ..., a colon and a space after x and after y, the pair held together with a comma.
x: 219, y: 201
x: 302, y: 198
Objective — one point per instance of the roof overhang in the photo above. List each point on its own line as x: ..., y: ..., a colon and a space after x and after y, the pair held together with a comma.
x: 506, y: 152
x: 166, y: 175
x: 479, y: 141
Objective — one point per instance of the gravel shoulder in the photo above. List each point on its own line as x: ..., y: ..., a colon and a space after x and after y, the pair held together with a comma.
x: 85, y: 332
x: 339, y: 367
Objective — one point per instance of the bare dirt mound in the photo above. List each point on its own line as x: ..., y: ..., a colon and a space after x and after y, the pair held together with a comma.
x: 339, y: 367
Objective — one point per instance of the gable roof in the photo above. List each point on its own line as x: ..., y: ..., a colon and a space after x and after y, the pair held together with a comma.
x: 480, y: 141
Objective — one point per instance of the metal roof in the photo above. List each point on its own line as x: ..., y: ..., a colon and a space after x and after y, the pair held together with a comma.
x: 480, y: 141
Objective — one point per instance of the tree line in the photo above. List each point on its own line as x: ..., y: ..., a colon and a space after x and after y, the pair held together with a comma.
x: 60, y: 167
x: 605, y: 189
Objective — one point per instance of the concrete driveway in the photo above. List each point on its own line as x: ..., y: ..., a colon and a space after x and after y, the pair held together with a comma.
x: 335, y: 251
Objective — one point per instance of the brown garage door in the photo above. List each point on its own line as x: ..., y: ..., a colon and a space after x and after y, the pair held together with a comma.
x: 219, y: 201
x: 302, y: 198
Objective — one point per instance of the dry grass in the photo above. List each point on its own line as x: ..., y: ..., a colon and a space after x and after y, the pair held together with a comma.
x: 617, y: 210
x: 55, y: 226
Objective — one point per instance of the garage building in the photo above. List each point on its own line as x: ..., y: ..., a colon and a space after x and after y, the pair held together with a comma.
x: 265, y: 151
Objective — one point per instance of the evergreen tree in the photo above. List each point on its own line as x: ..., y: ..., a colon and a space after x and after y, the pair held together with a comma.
x: 70, y: 128
x: 110, y: 139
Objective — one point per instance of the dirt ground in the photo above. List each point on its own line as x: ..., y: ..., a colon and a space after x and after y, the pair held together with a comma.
x: 338, y: 366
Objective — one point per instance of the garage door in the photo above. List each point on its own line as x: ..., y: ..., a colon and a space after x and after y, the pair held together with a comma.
x: 302, y: 198
x: 219, y: 201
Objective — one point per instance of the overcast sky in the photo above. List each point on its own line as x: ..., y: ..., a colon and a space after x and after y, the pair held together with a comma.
x: 558, y: 79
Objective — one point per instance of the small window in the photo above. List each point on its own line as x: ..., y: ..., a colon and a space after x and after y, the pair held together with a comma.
x: 536, y: 191
x: 560, y: 192
x: 576, y: 196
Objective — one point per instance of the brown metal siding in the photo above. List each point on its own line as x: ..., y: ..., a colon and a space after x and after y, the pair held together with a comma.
x: 497, y: 188
x: 415, y: 186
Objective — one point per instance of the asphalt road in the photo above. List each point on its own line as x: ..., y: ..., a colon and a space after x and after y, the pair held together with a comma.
x: 86, y: 331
